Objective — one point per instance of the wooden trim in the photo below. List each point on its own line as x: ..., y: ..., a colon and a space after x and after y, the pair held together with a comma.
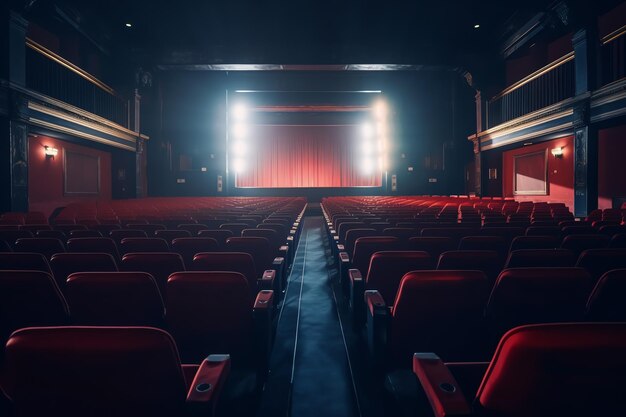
x: 545, y: 174
x: 70, y: 66
x: 530, y: 135
x: 614, y: 35
x: 566, y: 58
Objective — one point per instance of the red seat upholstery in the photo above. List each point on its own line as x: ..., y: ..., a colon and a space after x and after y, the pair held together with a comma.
x: 82, y: 233
x: 158, y: 264
x: 402, y: 233
x: 118, y: 234
x: 554, y: 231
x: 353, y: 234
x: 494, y: 243
x: 257, y: 247
x: 29, y: 298
x: 193, y: 228
x: 44, y: 245
x: 170, y: 235
x: 537, y: 295
x: 618, y: 241
x: 24, y: 261
x: 149, y: 229
x: 365, y: 247
x: 534, y: 242
x: 572, y: 369
x: 578, y: 243
x: 387, y: 268
x: 522, y: 258
x: 599, y: 261
x: 94, y: 244
x: 114, y: 299
x: 488, y: 261
x: 143, y: 244
x: 64, y: 264
x: 236, y: 228
x: 435, y: 246
x: 106, y: 371
x: 606, y: 302
x: 188, y: 247
x: 220, y: 236
x: 229, y: 261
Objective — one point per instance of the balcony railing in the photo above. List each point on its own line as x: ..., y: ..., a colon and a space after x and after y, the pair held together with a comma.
x: 49, y: 74
x: 549, y: 85
x: 613, y: 53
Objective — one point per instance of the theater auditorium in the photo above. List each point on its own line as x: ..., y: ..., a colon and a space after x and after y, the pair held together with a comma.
x: 311, y: 208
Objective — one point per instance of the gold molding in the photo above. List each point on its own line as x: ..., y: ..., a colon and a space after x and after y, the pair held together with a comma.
x: 64, y: 116
x: 80, y: 134
x: 527, y: 136
x: 614, y: 35
x: 70, y: 66
x: 529, y: 120
x: 565, y: 58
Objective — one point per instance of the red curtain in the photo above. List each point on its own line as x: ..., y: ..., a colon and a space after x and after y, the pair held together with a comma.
x: 280, y: 156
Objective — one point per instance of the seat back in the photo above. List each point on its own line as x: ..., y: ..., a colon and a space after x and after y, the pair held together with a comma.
x: 365, y: 247
x: 228, y: 261
x: 488, y: 261
x: 618, y: 241
x: 188, y: 247
x: 606, y: 302
x: 114, y: 299
x: 353, y: 234
x: 599, y: 261
x: 578, y: 243
x: 11, y: 236
x: 24, y: 261
x: 220, y: 236
x: 402, y: 233
x: 537, y: 295
x: 46, y: 246
x: 534, y: 242
x: 387, y: 268
x: 270, y: 234
x: 540, y: 258
x: 236, y: 228
x: 143, y: 244
x: 439, y: 311
x: 435, y: 246
x: 574, y: 369
x: 64, y: 264
x: 170, y: 235
x: 257, y: 247
x: 94, y: 371
x: 118, y: 234
x: 94, y: 244
x: 158, y: 264
x: 494, y: 243
x: 210, y: 312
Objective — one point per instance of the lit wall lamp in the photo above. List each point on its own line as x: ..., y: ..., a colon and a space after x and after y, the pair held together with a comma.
x: 50, y: 152
x: 557, y: 152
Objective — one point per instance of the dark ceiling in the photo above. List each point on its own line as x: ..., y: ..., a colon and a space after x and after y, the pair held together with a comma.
x: 166, y: 32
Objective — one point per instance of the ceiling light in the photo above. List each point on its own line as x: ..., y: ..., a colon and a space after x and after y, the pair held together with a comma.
x: 129, y: 25
x: 476, y: 26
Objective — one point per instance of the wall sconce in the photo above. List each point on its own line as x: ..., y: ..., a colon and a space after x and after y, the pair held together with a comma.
x: 557, y: 152
x: 50, y: 152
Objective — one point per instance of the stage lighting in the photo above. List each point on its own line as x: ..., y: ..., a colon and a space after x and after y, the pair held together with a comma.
x: 239, y: 165
x: 367, y: 166
x: 240, y: 111
x: 380, y: 109
x: 366, y: 130
x: 382, y: 145
x: 381, y: 128
x: 382, y: 163
x: 368, y: 147
x: 239, y: 148
x: 239, y: 130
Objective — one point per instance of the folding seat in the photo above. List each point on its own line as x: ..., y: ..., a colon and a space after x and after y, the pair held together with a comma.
x: 65, y: 264
x: 236, y: 228
x: 105, y: 229
x: 118, y: 234
x: 47, y: 246
x: 507, y: 232
x: 534, y: 242
x: 488, y: 261
x: 599, y: 261
x: 150, y: 229
x: 12, y: 218
x: 618, y: 241
x: 11, y: 236
x: 571, y: 369
x: 24, y: 261
x: 578, y: 243
x: 210, y: 222
x: 67, y: 228
x: 33, y: 228
x: 55, y: 234
x: 433, y: 311
x: 29, y: 298
x: 577, y: 230
x: 108, y: 371
x: 352, y: 235
x: 193, y: 228
x: 379, y: 226
x: 537, y: 295
x: 494, y: 243
x: 93, y: 245
x: 384, y: 274
x: 554, y: 231
x: 611, y: 230
x: 606, y: 302
x: 188, y: 247
x: 172, y: 222
x: 402, y: 233
x: 211, y: 312
x: 170, y: 235
x: 4, y: 247
x: 278, y: 242
x: 248, y: 221
x: 454, y: 233
x: 555, y: 258
x: 220, y: 235
x: 364, y: 248
x: 435, y: 246
x: 263, y: 256
x: 83, y: 233
x: 158, y: 264
x: 35, y: 217
x: 114, y: 299
x: 143, y: 244
x: 235, y: 262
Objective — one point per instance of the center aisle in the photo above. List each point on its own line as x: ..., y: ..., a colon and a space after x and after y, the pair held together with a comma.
x: 310, y: 370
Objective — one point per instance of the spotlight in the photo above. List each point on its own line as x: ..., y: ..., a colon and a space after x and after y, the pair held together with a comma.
x: 239, y: 148
x: 382, y: 145
x: 239, y: 130
x: 368, y: 166
x: 239, y: 165
x: 380, y: 109
x: 240, y: 111
x: 366, y: 130
x: 381, y: 163
x: 367, y: 147
x: 129, y: 25
x: 381, y: 128
x: 476, y: 26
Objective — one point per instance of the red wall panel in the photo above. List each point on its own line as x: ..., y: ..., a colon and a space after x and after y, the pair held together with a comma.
x: 611, y: 165
x: 45, y: 175
x: 560, y: 172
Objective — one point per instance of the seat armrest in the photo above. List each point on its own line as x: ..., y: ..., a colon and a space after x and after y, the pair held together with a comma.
x: 341, y: 248
x: 344, y: 265
x: 262, y: 313
x: 278, y: 265
x: 204, y: 391
x: 267, y: 280
x: 357, y: 301
x: 283, y: 251
x: 377, y: 327
x: 440, y: 386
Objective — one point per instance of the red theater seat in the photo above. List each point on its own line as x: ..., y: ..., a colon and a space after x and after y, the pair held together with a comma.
x: 118, y: 234
x: 488, y: 261
x: 143, y: 244
x: 263, y: 256
x: 434, y: 311
x: 435, y: 246
x: 93, y: 245
x: 149, y: 229
x: 352, y: 235
x: 24, y: 261
x: 599, y: 261
x: 188, y: 247
x: 221, y: 236
x: 44, y: 245
x: 606, y: 302
x: 522, y: 258
x: 158, y: 264
x: 170, y: 235
x: 235, y: 262
x: 82, y: 233
x: 574, y: 369
x: 618, y: 241
x: 578, y: 243
x: 108, y: 371
x: 534, y: 242
x: 114, y: 299
x: 236, y: 228
x: 64, y: 264
x: 193, y: 228
x: 494, y: 243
